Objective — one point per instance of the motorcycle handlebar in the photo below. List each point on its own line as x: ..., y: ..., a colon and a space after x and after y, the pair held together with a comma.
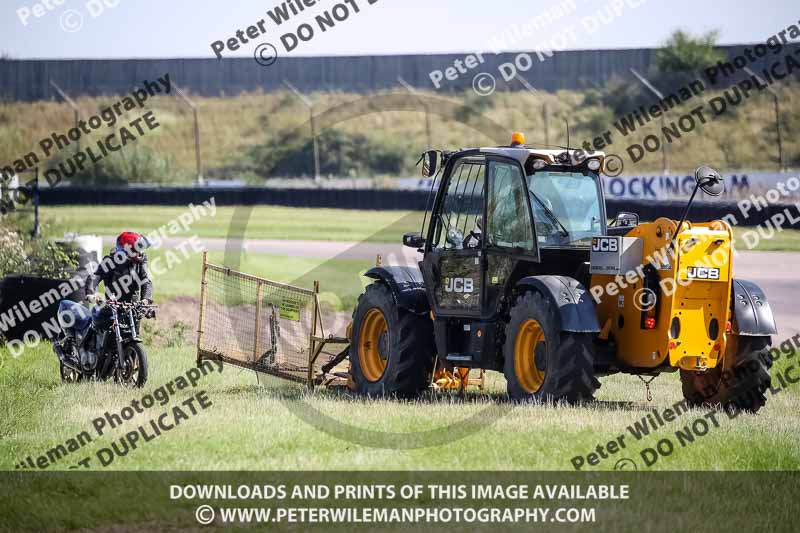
x: 129, y: 304
x: 140, y: 309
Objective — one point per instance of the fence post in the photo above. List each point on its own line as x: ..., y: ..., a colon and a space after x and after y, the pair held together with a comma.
x: 195, y: 113
x: 664, y: 150
x: 74, y: 107
x: 310, y: 105
x: 203, y: 301
x: 312, y: 343
x: 428, y: 127
x: 35, y: 233
x: 257, y: 334
x: 546, y: 119
x: 777, y: 106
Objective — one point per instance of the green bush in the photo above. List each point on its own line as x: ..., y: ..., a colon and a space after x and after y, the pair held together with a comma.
x: 474, y: 105
x: 341, y: 154
x: 12, y: 259
x: 35, y: 257
x: 600, y: 120
x: 624, y: 96
x: 50, y: 260
x: 134, y: 164
x: 680, y: 61
x: 684, y: 52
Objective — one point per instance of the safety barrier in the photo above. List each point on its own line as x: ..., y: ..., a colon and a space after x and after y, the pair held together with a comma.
x: 374, y: 199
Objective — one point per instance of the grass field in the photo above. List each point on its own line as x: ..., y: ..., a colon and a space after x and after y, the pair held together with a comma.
x: 278, y: 426
x: 286, y: 223
x: 340, y: 278
x: 274, y: 425
x: 264, y: 222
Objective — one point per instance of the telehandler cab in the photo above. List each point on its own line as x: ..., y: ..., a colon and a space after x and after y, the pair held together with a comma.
x: 522, y: 274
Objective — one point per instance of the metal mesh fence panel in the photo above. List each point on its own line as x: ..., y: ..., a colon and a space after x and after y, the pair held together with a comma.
x: 256, y: 323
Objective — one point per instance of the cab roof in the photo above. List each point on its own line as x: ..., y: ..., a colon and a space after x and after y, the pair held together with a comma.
x: 523, y: 154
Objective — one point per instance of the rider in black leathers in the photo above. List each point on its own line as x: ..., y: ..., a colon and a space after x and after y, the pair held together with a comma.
x: 124, y: 273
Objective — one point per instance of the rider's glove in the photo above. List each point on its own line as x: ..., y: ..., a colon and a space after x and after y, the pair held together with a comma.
x: 93, y: 298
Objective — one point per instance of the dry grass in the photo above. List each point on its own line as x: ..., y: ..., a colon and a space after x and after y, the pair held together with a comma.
x: 230, y: 126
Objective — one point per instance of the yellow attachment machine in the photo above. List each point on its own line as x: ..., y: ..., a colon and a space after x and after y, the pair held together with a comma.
x: 672, y: 306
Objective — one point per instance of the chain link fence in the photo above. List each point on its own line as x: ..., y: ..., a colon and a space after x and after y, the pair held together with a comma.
x: 261, y: 325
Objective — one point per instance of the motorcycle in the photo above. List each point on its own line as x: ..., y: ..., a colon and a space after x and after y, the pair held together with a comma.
x: 105, y: 343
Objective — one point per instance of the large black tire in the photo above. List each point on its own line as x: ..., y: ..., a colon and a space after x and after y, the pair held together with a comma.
x: 563, y: 361
x: 738, y: 384
x: 135, y: 372
x: 405, y: 348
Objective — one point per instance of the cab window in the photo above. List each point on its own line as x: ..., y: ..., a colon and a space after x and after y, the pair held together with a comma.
x: 458, y: 225
x: 509, y: 222
x: 566, y: 208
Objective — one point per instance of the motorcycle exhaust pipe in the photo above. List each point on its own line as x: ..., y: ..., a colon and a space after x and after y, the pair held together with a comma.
x: 64, y: 359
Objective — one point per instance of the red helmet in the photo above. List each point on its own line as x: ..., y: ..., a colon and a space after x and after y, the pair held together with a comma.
x: 133, y: 244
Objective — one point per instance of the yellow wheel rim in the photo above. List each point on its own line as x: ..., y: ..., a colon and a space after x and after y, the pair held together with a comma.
x: 372, y: 340
x: 529, y: 375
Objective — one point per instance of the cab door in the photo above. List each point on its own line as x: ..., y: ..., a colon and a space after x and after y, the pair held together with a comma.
x: 511, y: 244
x: 453, y: 266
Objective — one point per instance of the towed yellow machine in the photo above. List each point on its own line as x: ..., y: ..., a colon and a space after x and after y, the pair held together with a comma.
x: 685, y: 310
x: 522, y: 273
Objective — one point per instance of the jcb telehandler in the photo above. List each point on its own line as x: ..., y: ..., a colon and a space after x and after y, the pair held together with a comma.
x: 522, y: 274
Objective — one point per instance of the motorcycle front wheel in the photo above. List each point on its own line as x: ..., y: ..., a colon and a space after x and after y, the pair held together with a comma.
x: 134, y: 371
x: 69, y: 375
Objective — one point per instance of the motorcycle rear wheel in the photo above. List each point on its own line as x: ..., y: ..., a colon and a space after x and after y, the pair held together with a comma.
x: 134, y: 373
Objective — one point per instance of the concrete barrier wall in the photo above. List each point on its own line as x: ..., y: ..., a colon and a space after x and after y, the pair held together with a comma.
x: 29, y: 79
x: 374, y: 200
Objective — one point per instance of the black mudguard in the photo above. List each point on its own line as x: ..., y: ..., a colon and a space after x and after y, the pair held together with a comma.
x: 752, y: 315
x: 575, y: 307
x: 406, y: 285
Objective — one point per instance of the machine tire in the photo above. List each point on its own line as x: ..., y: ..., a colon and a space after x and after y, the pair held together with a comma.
x: 741, y: 386
x: 407, y: 337
x: 568, y: 372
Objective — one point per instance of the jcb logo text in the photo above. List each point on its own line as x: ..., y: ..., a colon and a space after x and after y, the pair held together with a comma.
x: 605, y: 244
x: 460, y: 285
x: 702, y: 273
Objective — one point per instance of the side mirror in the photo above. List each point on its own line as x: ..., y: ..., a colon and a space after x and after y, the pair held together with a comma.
x: 430, y: 163
x: 413, y: 240
x: 709, y: 181
x: 455, y: 238
x: 626, y: 220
